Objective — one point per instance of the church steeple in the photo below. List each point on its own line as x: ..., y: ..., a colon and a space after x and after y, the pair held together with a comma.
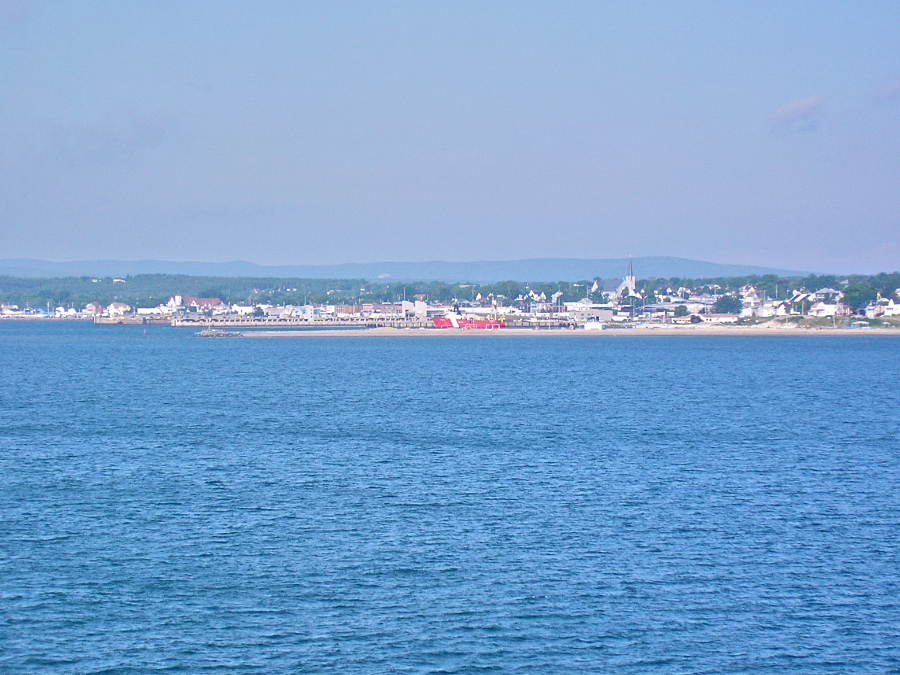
x: 629, y: 282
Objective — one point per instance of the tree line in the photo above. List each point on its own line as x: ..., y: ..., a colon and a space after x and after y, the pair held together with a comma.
x: 150, y: 290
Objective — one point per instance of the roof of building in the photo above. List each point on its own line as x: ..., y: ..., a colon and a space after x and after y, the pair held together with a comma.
x: 201, y: 302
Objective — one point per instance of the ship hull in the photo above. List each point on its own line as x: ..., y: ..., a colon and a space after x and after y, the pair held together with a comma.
x: 467, y: 324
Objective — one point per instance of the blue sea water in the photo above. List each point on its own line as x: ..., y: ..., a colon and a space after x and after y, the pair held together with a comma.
x: 447, y: 505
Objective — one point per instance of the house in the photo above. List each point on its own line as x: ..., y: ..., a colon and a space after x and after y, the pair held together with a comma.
x: 659, y: 310
x: 200, y: 303
x: 821, y: 309
x: 94, y: 308
x: 799, y: 302
x: 892, y: 308
x: 830, y: 295
x: 767, y: 309
x: 118, y: 309
x: 718, y: 318
x: 751, y: 301
x: 190, y: 302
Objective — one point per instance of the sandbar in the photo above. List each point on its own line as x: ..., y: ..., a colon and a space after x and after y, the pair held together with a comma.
x: 685, y: 331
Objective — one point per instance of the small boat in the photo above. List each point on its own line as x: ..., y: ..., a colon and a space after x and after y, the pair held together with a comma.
x: 217, y: 333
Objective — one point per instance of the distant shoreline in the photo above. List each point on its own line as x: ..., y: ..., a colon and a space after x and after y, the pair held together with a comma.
x: 530, y: 332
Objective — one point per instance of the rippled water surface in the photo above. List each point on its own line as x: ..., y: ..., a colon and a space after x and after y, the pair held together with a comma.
x: 368, y: 505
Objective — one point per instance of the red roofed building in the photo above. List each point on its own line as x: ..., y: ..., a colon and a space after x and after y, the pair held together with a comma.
x: 197, y: 303
x: 201, y: 303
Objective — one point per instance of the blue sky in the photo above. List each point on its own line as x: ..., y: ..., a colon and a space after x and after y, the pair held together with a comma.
x: 760, y: 133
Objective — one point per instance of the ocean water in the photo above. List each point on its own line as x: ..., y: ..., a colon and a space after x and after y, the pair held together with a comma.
x: 445, y: 505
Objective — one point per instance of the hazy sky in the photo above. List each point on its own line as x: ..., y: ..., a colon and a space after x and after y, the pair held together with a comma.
x: 328, y: 132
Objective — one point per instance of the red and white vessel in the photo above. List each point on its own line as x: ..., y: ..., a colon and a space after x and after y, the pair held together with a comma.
x: 456, y: 321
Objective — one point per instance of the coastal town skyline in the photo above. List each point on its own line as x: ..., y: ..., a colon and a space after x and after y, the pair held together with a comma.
x: 759, y: 302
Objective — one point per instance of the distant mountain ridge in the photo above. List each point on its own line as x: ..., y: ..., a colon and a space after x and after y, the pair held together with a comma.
x: 531, y: 269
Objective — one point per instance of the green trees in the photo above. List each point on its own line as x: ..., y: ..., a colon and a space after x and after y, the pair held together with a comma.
x: 858, y: 295
x: 728, y: 304
x: 151, y: 289
x: 681, y: 310
x: 814, y: 283
x: 886, y: 284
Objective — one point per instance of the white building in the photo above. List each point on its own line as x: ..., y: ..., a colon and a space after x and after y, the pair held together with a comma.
x: 821, y: 309
x: 629, y: 283
x: 585, y: 310
x: 718, y: 318
x: 118, y: 309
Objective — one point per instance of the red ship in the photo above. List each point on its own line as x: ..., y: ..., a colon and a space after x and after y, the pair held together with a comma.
x: 456, y: 322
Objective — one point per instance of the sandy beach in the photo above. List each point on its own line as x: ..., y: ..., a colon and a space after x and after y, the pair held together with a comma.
x: 680, y: 331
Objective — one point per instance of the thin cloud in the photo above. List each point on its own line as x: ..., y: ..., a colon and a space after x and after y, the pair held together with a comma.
x: 889, y: 92
x: 797, y: 115
x: 13, y: 12
x: 118, y: 135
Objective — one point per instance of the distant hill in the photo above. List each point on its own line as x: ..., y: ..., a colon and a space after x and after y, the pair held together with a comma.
x: 533, y: 269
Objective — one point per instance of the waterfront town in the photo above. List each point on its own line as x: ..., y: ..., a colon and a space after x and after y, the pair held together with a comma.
x: 606, y: 304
